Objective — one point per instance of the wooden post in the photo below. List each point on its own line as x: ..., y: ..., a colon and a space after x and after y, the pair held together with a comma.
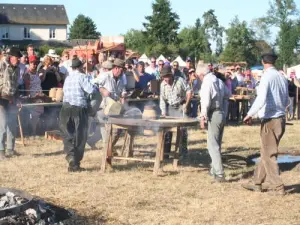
x: 159, y: 149
x: 107, y: 154
x: 177, y: 145
x: 20, y: 127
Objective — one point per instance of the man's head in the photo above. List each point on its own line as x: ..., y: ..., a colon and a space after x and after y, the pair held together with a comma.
x: 167, y: 75
x: 192, y: 73
x: 141, y: 67
x: 238, y: 69
x: 65, y: 55
x: 24, y: 59
x: 268, y: 59
x: 202, y: 69
x: 175, y: 65
x: 30, y: 50
x: 33, y: 62
x: 118, y: 67
x: 188, y: 62
x: 128, y: 64
x: 14, y: 56
x: 160, y: 64
x: 107, y: 66
x: 153, y: 62
x: 76, y: 64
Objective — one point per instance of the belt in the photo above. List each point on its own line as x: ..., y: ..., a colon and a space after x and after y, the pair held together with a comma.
x: 269, y: 119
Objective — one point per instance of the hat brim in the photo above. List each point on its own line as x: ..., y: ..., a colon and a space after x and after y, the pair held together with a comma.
x: 165, y: 75
x: 53, y: 55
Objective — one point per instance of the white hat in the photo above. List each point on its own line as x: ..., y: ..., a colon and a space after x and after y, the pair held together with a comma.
x: 52, y: 53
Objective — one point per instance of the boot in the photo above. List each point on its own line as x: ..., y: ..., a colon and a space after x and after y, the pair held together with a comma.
x: 11, y: 153
x: 252, y: 187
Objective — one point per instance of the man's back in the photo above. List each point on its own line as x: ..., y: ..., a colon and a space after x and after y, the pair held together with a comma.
x: 272, y: 95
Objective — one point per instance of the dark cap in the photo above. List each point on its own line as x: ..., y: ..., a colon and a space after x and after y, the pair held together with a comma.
x: 188, y: 59
x: 14, y: 51
x: 270, y: 54
x: 76, y: 63
x: 119, y: 63
x: 166, y: 71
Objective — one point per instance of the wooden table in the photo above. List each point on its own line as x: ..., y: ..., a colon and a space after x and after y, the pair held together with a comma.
x: 133, y: 126
x: 29, y: 105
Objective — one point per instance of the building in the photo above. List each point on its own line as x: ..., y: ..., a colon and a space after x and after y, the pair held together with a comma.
x: 27, y: 23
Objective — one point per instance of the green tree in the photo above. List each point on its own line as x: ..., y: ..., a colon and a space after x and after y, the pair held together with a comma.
x: 213, y: 29
x: 162, y: 26
x: 83, y: 27
x: 282, y: 14
x: 240, y: 44
x: 135, y: 40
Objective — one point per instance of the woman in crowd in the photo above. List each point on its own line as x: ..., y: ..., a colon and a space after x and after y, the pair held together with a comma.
x: 195, y: 85
x: 33, y: 85
x: 49, y: 75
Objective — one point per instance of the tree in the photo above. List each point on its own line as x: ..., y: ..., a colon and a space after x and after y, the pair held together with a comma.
x: 135, y: 40
x: 281, y: 14
x: 213, y: 29
x: 240, y: 43
x: 162, y: 26
x: 83, y: 27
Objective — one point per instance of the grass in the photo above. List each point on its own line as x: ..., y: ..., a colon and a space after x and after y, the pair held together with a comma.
x: 132, y: 195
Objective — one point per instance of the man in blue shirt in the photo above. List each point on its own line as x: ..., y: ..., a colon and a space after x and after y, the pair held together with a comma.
x: 74, y: 115
x: 144, y: 78
x: 270, y: 104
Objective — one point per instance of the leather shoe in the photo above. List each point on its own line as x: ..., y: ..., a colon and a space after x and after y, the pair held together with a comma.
x: 252, y: 187
x: 220, y: 179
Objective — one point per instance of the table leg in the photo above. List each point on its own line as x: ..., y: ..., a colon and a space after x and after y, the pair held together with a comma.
x: 20, y: 127
x: 125, y: 143
x: 159, y: 150
x: 107, y: 154
x: 131, y: 142
x: 177, y: 145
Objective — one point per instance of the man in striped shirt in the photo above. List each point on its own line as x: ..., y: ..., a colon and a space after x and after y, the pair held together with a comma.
x: 270, y: 104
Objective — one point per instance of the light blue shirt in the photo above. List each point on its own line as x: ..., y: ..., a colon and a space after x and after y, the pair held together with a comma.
x: 76, y: 88
x: 272, y: 96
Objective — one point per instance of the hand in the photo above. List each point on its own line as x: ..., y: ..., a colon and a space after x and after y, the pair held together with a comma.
x: 105, y: 93
x: 202, y: 122
x: 248, y: 120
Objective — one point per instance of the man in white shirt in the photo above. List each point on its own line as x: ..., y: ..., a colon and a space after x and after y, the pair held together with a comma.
x: 214, y: 96
x: 153, y: 68
x: 239, y: 76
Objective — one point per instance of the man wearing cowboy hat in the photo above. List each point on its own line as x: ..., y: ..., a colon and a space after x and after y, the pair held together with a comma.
x: 9, y: 74
x: 175, y: 95
x: 74, y: 115
x: 111, y: 86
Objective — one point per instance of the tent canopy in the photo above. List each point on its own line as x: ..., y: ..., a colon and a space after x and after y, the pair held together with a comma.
x: 161, y: 57
x: 180, y: 61
x: 144, y: 58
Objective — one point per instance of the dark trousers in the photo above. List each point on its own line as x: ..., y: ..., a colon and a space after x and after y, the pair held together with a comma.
x: 74, y: 126
x: 267, y: 169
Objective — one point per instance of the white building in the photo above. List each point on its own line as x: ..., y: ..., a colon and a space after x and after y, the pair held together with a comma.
x: 20, y: 22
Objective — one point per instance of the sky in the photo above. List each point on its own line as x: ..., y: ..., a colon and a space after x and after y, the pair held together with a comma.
x: 115, y: 17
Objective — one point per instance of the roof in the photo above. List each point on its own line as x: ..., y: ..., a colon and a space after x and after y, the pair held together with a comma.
x: 33, y: 14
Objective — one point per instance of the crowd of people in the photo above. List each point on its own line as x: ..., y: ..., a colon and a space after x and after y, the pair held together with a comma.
x: 26, y: 75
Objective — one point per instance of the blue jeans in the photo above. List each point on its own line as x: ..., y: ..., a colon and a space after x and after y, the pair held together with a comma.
x: 8, y: 125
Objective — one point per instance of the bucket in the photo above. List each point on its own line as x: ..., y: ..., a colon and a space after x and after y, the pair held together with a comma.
x: 150, y: 114
x: 52, y: 93
x: 59, y: 95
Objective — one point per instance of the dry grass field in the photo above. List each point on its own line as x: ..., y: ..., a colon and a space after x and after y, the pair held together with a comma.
x: 132, y: 195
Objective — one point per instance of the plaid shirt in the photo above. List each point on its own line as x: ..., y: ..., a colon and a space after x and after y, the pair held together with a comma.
x: 8, y: 78
x: 272, y: 95
x: 173, y: 95
x: 76, y: 88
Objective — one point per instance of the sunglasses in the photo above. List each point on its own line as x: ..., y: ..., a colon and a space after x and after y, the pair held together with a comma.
x: 153, y: 62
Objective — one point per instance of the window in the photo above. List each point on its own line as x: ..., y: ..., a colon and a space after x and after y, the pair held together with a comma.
x: 26, y: 32
x: 52, y: 33
x: 4, y: 32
